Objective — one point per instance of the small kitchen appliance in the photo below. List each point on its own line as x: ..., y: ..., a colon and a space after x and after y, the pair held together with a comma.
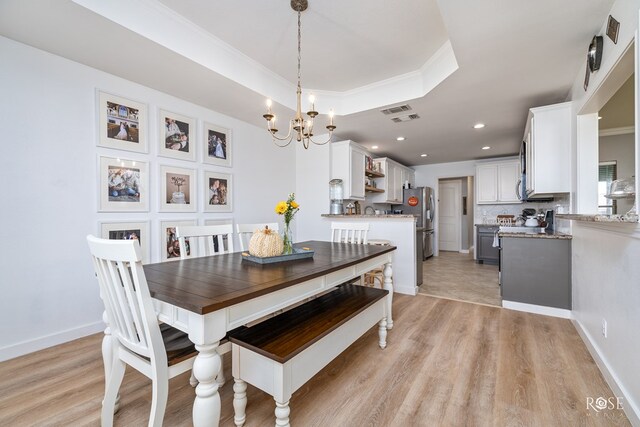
x: 335, y: 194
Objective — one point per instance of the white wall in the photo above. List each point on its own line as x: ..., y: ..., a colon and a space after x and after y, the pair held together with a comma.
x: 605, y: 268
x: 49, y: 172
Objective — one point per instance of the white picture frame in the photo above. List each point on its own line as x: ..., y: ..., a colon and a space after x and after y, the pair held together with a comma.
x: 217, y: 145
x: 217, y: 192
x: 122, y: 123
x: 169, y: 250
x: 177, y: 136
x: 173, y: 181
x: 120, y: 230
x: 123, y: 185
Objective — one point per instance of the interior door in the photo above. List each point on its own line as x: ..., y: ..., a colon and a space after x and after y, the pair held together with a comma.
x: 450, y: 215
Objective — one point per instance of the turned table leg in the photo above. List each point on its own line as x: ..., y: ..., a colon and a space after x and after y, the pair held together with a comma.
x: 388, y: 285
x: 206, y: 407
x: 382, y: 333
x: 282, y: 414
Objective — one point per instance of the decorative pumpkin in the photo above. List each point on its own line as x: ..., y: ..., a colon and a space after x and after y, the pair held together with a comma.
x: 265, y: 243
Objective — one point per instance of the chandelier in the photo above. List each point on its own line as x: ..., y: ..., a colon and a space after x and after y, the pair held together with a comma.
x: 299, y: 128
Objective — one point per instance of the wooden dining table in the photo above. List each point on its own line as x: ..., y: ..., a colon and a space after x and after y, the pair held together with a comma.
x: 208, y: 296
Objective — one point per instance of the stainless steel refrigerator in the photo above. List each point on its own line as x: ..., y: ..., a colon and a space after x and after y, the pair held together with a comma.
x: 419, y: 201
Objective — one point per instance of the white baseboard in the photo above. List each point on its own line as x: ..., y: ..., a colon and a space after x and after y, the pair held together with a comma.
x: 631, y: 411
x: 26, y: 347
x: 537, y: 309
x: 464, y: 251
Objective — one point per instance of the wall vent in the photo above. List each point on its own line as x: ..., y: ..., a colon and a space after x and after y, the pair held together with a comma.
x: 406, y: 118
x: 397, y: 109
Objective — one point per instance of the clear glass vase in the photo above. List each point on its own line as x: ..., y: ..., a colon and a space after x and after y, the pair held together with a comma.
x: 287, y: 239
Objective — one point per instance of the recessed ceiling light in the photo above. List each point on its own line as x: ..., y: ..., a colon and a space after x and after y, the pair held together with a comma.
x: 374, y: 147
x: 423, y: 155
x: 478, y: 126
x: 599, y: 117
x: 400, y: 138
x: 486, y: 148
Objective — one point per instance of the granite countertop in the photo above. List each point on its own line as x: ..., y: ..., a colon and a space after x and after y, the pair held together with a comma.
x: 548, y: 234
x: 600, y: 218
x: 370, y: 216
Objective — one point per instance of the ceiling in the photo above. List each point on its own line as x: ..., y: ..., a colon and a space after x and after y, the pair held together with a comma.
x: 455, y: 62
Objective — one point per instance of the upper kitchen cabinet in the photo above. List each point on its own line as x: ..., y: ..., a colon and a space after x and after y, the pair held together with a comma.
x: 395, y: 175
x: 548, y: 149
x: 348, y: 164
x: 497, y: 182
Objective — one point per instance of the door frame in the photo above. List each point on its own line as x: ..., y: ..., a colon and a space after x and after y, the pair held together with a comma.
x: 458, y: 182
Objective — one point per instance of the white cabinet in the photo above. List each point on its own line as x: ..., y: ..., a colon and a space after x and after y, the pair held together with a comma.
x: 347, y: 164
x: 548, y: 149
x: 496, y: 182
x: 394, y: 178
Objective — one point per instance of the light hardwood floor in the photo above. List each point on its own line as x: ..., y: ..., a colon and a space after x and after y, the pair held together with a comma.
x: 447, y: 363
x: 457, y: 276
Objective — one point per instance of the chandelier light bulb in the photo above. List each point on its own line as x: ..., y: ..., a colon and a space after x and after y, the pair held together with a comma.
x: 269, y: 102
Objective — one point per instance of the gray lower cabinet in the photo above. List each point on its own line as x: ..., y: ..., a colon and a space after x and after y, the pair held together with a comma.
x: 536, y: 271
x: 485, y: 252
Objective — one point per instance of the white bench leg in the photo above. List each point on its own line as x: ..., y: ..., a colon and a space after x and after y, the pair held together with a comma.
x: 239, y: 401
x: 382, y: 332
x: 282, y: 414
x: 388, y: 285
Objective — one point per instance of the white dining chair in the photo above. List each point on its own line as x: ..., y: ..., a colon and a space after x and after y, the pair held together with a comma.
x: 246, y: 230
x: 158, y: 352
x: 204, y: 240
x: 350, y: 232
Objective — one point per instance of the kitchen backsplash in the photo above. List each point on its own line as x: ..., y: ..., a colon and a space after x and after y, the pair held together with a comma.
x: 490, y: 212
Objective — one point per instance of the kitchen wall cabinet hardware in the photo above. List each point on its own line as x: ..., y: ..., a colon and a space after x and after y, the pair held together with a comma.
x: 496, y: 182
x: 348, y: 164
x: 536, y: 271
x: 486, y: 253
x: 548, y: 153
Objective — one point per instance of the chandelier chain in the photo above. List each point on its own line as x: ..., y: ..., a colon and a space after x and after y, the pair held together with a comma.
x: 299, y: 44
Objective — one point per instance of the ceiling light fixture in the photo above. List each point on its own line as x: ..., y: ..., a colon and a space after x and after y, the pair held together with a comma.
x: 299, y: 128
x: 400, y: 138
x: 478, y: 126
x: 423, y: 155
x: 486, y: 148
x: 374, y: 147
x: 599, y: 117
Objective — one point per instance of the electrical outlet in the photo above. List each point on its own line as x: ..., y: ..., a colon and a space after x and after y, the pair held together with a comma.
x: 604, y: 328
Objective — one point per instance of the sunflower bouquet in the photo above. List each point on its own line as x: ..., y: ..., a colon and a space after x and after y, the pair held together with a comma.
x: 288, y: 209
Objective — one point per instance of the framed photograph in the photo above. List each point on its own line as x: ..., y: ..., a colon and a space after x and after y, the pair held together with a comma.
x: 177, y: 136
x: 177, y: 189
x: 124, y: 185
x: 129, y: 231
x: 169, y: 247
x: 613, y: 27
x: 217, y: 145
x: 122, y: 123
x: 218, y: 192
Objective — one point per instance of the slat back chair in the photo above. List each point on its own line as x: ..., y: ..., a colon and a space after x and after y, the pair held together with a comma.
x: 350, y: 232
x: 203, y: 240
x: 246, y: 230
x: 137, y: 338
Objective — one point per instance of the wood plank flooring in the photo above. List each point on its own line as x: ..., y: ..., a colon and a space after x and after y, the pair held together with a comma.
x: 457, y: 276
x: 447, y: 363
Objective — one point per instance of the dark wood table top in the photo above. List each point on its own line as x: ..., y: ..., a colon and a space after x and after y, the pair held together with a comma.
x: 207, y: 284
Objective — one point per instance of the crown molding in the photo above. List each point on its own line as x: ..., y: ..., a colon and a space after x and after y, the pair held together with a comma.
x: 617, y: 131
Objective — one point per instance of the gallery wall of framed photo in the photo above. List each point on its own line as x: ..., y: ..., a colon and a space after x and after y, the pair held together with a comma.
x: 59, y: 184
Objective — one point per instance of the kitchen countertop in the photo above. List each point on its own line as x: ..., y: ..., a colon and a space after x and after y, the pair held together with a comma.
x: 370, y: 216
x: 546, y: 235
x: 600, y: 218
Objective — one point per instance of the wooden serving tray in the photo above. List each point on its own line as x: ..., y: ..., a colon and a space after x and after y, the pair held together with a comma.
x: 298, y: 253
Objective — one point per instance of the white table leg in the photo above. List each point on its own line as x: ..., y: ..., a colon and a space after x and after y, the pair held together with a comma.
x: 239, y: 401
x: 107, y: 357
x: 382, y: 333
x: 388, y: 285
x: 206, y: 407
x: 282, y: 414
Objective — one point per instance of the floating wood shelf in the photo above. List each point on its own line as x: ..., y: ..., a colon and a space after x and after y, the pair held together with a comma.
x: 373, y: 174
x: 373, y: 189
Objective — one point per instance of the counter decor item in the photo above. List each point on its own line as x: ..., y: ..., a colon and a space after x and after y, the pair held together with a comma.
x: 335, y: 194
x: 623, y: 189
x: 288, y: 209
x: 266, y: 243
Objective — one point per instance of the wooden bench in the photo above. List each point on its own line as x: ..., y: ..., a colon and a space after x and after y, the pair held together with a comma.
x: 279, y: 355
